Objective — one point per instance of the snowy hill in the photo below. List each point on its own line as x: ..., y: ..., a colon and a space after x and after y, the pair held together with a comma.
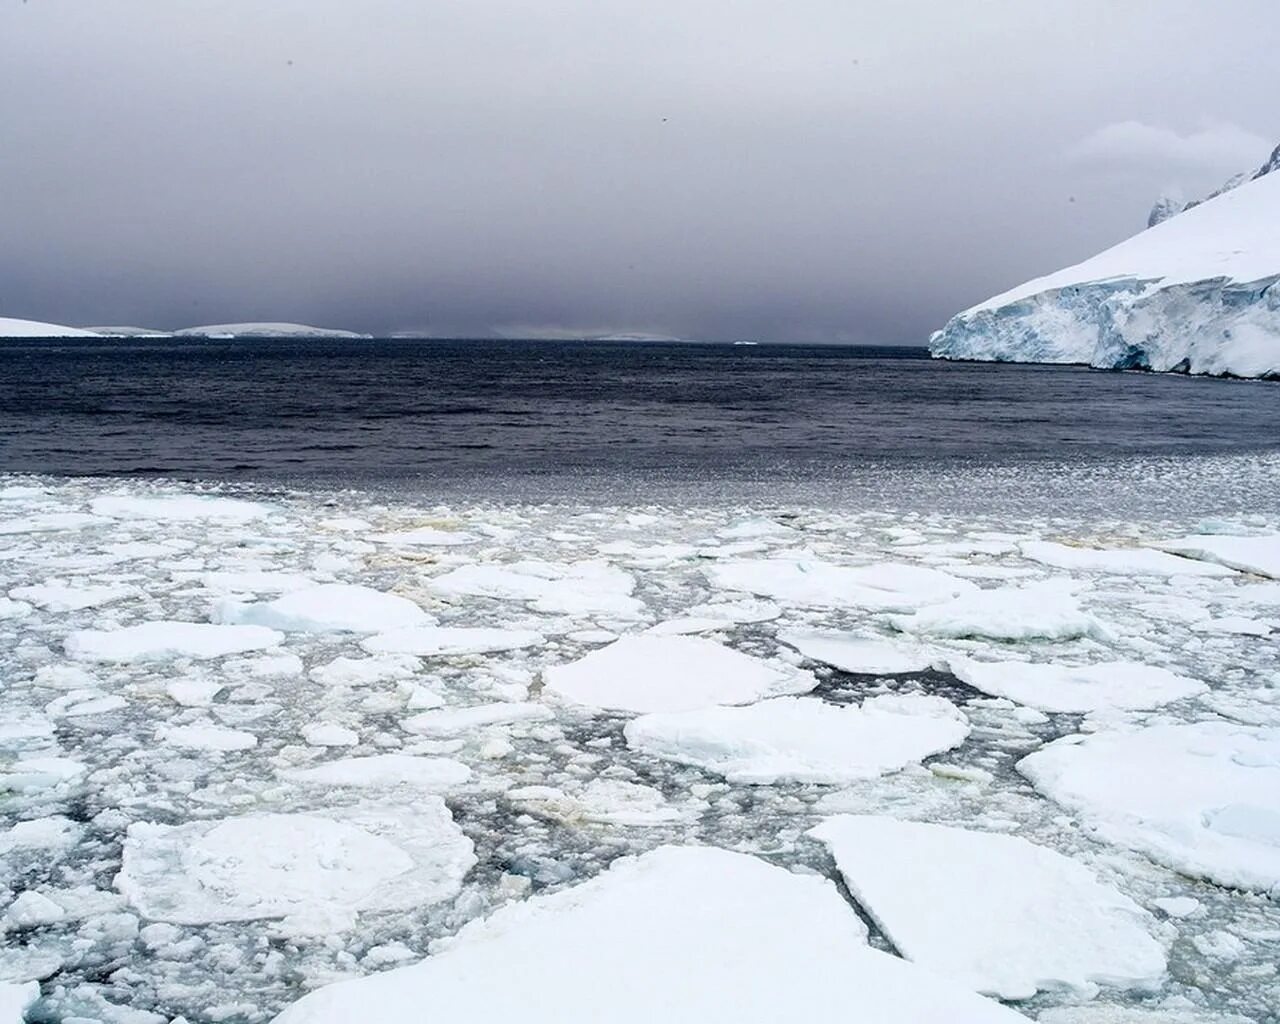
x: 10, y: 328
x: 265, y: 330
x: 1196, y: 293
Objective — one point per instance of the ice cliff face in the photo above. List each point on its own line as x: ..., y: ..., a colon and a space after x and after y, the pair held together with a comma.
x: 1196, y: 293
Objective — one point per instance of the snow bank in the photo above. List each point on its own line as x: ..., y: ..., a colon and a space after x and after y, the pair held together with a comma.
x: 1201, y: 798
x: 671, y: 673
x: 997, y: 913
x: 1197, y: 292
x: 800, y: 739
x: 679, y: 935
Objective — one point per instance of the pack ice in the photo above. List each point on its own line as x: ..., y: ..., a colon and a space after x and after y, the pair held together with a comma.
x: 1195, y: 293
x: 682, y: 935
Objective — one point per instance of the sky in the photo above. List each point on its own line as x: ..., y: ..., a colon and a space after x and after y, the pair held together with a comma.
x: 808, y: 171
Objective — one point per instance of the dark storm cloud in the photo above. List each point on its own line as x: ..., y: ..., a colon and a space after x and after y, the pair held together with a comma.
x: 808, y: 170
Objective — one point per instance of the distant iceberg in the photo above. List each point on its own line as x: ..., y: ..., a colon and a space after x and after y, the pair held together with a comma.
x: 10, y: 328
x: 265, y: 330
x: 1196, y: 293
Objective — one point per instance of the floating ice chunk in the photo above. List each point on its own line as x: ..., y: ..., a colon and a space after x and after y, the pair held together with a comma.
x: 799, y: 739
x: 47, y: 834
x: 48, y: 522
x: 579, y: 588
x: 859, y: 654
x: 686, y: 626
x: 80, y: 703
x: 1124, y: 561
x: 1105, y: 686
x: 961, y: 903
x: 746, y: 610
x: 366, y: 671
x: 157, y: 641
x: 438, y: 641
x: 11, y: 609
x: 682, y: 935
x: 1266, y: 594
x: 328, y: 608
x: 615, y: 802
x: 59, y: 597
x: 1037, y: 611
x: 30, y: 910
x: 179, y: 508
x: 752, y: 528
x: 1134, y: 1015
x: 194, y: 693
x: 205, y: 736
x: 671, y: 673
x: 1202, y: 798
x: 884, y: 586
x: 452, y: 721
x: 1237, y: 625
x: 425, y: 537
x: 16, y: 997
x: 252, y: 581
x: 1260, y: 555
x: 31, y: 773
x: 1177, y: 906
x: 382, y: 771
x: 316, y: 872
x: 329, y: 734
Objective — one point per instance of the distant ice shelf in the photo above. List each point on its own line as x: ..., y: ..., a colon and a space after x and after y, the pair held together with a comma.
x: 1197, y: 293
x: 11, y: 328
x: 265, y: 330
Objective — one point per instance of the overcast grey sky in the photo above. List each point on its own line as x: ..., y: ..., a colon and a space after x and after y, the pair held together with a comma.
x: 805, y: 170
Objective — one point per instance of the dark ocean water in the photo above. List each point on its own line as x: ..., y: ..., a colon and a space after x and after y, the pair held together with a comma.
x: 497, y: 417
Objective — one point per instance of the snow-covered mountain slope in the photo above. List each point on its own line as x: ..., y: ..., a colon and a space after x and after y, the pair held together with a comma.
x: 265, y: 330
x: 130, y: 332
x: 1169, y: 206
x: 10, y: 328
x: 1197, y: 293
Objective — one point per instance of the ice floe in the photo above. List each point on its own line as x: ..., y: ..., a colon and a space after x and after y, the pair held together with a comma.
x: 179, y: 508
x: 1107, y: 685
x: 863, y: 655
x: 1037, y: 611
x: 156, y: 641
x: 1202, y: 798
x: 883, y: 586
x: 1260, y: 555
x: 451, y: 721
x: 680, y: 935
x: 329, y: 607
x: 382, y: 771
x: 801, y: 739
x: 671, y: 673
x: 580, y: 588
x: 1123, y: 561
x: 315, y: 872
x: 435, y: 641
x: 997, y: 913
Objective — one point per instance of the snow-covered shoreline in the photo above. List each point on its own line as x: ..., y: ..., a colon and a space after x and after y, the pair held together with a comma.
x: 205, y: 685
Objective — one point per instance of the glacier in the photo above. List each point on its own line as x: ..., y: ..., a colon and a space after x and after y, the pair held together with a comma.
x: 1196, y: 293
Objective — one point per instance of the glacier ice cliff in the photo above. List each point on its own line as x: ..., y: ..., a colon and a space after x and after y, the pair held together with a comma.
x: 1196, y: 293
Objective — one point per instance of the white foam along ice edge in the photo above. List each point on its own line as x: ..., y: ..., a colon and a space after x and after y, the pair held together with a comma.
x: 162, y: 639
x: 1046, y: 610
x: 802, y: 739
x: 883, y: 586
x: 1077, y: 689
x: 681, y: 935
x: 997, y: 913
x: 317, y: 872
x: 1258, y: 554
x: 1201, y: 798
x: 328, y: 607
x: 863, y: 655
x: 654, y: 672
